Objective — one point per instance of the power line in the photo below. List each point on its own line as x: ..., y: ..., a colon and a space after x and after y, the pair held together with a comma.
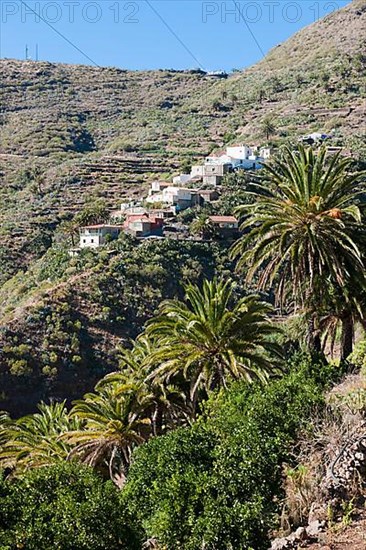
x: 59, y: 33
x: 174, y: 34
x: 248, y: 27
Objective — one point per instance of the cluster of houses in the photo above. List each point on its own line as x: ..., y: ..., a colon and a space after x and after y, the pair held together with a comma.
x: 149, y: 225
x: 155, y: 215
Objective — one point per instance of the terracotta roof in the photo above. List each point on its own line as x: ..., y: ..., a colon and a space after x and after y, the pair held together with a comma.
x: 130, y: 217
x: 223, y: 219
x: 138, y: 218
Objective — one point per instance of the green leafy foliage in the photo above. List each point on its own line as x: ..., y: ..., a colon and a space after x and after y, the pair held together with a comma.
x: 65, y: 507
x: 34, y: 441
x: 215, y: 483
x: 211, y: 338
x: 117, y: 293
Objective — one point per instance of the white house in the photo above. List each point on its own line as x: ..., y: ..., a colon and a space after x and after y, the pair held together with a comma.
x: 158, y: 186
x: 181, y: 197
x: 235, y: 157
x: 197, y: 170
x: 92, y: 236
x: 127, y: 206
x: 239, y: 152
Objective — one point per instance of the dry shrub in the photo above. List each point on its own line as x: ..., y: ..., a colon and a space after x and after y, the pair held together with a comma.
x: 341, y: 422
x: 301, y: 491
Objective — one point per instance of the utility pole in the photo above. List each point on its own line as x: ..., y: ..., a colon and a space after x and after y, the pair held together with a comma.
x: 26, y: 52
x: 36, y: 52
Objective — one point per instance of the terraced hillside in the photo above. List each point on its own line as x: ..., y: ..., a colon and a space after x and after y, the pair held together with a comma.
x: 107, y: 132
x: 71, y: 134
x: 84, y: 126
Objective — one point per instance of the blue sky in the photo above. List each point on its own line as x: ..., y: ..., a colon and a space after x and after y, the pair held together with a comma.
x: 149, y: 34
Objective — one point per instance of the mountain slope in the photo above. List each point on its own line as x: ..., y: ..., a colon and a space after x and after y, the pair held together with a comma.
x: 105, y: 133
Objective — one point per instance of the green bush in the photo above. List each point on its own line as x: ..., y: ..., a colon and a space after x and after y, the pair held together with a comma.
x: 358, y: 357
x: 214, y: 485
x: 65, y: 507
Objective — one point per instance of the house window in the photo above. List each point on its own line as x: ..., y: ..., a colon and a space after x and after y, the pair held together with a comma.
x: 91, y: 240
x: 84, y: 240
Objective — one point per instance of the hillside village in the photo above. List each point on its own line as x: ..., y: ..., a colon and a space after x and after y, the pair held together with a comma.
x: 183, y: 300
x: 154, y: 215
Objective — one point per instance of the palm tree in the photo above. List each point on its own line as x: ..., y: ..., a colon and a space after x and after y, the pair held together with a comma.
x: 268, y: 127
x: 305, y: 232
x: 343, y: 308
x: 4, y: 424
x: 203, y: 226
x: 114, y: 423
x: 166, y: 404
x: 34, y: 441
x: 70, y: 228
x: 207, y: 341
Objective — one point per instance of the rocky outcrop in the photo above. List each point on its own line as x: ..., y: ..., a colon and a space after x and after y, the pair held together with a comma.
x: 300, y: 537
x: 345, y: 481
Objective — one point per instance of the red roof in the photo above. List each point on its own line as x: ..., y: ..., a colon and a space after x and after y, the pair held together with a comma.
x: 223, y: 219
x: 144, y: 218
x: 136, y: 217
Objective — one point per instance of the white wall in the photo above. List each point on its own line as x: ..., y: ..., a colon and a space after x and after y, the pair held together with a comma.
x: 182, y: 178
x: 158, y: 197
x: 197, y: 170
x: 239, y: 152
x: 89, y: 240
x: 92, y: 238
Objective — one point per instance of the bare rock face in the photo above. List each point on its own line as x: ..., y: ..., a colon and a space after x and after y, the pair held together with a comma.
x: 300, y: 537
x: 338, y: 486
x: 347, y: 468
x: 314, y: 529
x: 318, y: 511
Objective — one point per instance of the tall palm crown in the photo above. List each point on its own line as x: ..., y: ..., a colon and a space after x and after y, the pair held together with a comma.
x: 305, y: 229
x: 35, y: 440
x: 165, y: 404
x: 114, y: 423
x: 208, y: 341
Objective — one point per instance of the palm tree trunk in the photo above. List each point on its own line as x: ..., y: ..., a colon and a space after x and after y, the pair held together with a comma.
x: 157, y: 421
x: 118, y: 476
x: 313, y: 337
x: 347, y: 337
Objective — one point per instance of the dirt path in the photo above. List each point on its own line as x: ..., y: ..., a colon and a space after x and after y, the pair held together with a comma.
x: 350, y: 538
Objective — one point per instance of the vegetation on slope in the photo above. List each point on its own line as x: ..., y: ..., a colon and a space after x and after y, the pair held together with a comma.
x: 92, y: 132
x: 197, y: 466
x: 66, y: 318
x: 194, y: 446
